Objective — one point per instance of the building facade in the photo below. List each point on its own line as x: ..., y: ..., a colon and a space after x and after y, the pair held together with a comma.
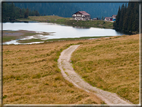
x: 81, y: 15
x: 108, y: 18
x: 113, y: 18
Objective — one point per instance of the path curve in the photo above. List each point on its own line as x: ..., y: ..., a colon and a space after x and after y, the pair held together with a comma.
x: 69, y: 74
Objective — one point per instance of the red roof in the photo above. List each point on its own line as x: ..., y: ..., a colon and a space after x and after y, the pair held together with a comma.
x: 82, y: 12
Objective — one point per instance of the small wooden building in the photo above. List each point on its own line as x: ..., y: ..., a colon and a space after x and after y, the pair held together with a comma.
x: 81, y: 15
x: 108, y: 18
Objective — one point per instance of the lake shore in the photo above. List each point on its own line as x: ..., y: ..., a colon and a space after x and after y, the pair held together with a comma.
x: 70, y: 21
x: 32, y: 37
x: 41, y: 32
x: 21, y: 35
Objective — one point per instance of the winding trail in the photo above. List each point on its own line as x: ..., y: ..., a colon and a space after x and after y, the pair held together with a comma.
x: 69, y: 74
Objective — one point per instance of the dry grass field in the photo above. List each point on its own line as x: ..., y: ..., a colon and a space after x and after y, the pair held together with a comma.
x: 31, y: 76
x: 111, y: 64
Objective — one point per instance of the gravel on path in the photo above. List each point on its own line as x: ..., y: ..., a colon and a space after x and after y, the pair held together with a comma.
x: 69, y: 74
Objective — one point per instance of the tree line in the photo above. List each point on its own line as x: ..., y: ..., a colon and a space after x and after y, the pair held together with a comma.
x: 68, y: 8
x: 127, y: 19
x: 10, y: 12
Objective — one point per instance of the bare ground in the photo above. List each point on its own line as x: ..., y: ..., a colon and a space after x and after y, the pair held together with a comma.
x: 70, y: 75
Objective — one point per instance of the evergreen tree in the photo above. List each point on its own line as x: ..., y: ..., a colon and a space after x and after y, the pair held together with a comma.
x: 36, y: 13
x: 26, y: 14
x: 10, y: 12
x: 127, y: 19
x: 116, y: 24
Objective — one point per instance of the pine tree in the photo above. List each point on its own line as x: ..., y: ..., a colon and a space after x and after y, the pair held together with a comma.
x: 116, y: 24
x: 127, y: 19
x: 26, y: 13
x: 36, y: 13
x: 10, y: 12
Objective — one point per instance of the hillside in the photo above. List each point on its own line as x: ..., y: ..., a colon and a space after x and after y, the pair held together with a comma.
x: 31, y: 76
x: 108, y: 63
x: 60, y: 9
x: 67, y: 9
x: 100, y: 9
x: 111, y: 64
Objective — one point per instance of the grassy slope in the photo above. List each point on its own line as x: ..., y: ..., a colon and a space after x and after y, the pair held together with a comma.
x: 31, y: 76
x: 70, y: 22
x: 111, y: 64
x: 108, y: 63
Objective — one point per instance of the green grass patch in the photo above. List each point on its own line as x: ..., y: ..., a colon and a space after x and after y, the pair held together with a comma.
x: 81, y: 38
x: 8, y: 38
x: 29, y: 34
x: 30, y: 40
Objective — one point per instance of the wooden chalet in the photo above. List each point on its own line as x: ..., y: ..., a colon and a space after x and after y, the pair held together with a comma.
x: 113, y: 18
x: 108, y: 18
x: 81, y: 15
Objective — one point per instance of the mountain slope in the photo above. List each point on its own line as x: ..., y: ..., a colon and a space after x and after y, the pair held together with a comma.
x: 67, y: 9
x: 60, y: 9
x: 100, y: 9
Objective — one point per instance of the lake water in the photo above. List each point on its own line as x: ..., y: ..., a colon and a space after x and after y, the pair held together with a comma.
x: 60, y: 31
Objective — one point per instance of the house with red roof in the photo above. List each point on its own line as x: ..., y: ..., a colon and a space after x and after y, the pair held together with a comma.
x: 81, y: 15
x: 108, y: 18
x: 113, y: 18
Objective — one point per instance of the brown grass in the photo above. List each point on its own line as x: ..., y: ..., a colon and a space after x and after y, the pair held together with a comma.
x: 31, y: 76
x: 111, y: 64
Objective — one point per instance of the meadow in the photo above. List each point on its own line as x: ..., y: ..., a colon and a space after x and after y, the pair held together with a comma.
x: 111, y: 64
x: 31, y: 74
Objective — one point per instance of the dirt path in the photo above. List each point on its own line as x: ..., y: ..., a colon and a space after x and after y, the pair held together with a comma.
x: 70, y: 75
